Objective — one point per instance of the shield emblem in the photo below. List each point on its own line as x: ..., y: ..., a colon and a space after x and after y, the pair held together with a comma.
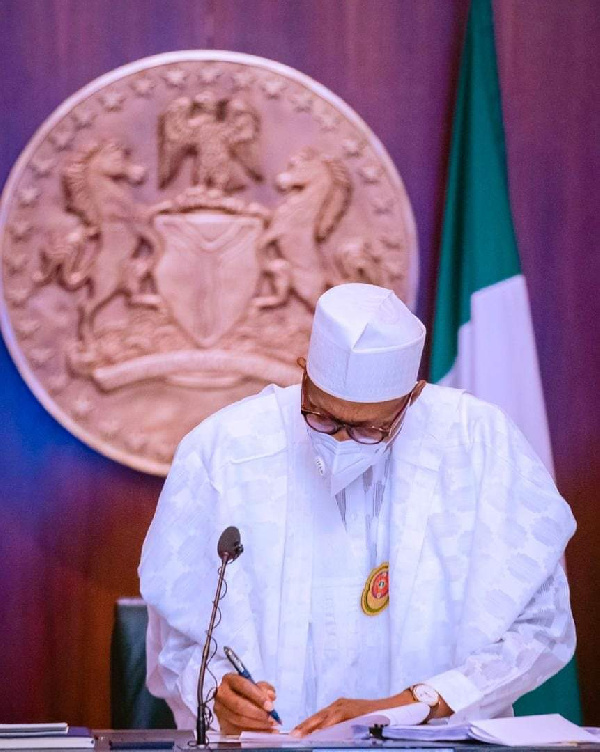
x: 208, y: 272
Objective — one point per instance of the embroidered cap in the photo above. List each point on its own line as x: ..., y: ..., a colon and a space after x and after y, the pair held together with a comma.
x: 365, y: 344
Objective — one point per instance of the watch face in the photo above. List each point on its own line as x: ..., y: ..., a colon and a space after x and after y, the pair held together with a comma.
x: 426, y: 694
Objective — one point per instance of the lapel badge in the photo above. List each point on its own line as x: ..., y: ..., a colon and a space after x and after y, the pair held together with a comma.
x: 376, y: 592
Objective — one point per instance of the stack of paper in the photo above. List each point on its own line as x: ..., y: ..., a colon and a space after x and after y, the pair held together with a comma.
x: 356, y: 728
x: 530, y: 731
x: 527, y: 731
x: 430, y: 732
x: 44, y: 736
x: 32, y: 729
x: 407, y: 716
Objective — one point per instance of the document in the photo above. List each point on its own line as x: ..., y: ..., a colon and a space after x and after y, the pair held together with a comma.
x: 530, y: 731
x: 72, y: 738
x: 527, y: 731
x: 355, y: 728
x: 435, y: 731
x: 30, y: 729
x: 44, y: 736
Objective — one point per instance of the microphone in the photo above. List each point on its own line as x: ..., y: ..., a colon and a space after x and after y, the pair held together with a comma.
x: 230, y: 544
x: 229, y: 548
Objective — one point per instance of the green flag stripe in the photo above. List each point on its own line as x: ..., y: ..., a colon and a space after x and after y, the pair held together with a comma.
x: 478, y: 242
x: 558, y: 695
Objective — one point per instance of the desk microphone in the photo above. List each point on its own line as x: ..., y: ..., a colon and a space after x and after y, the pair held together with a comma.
x: 229, y: 548
x: 230, y: 545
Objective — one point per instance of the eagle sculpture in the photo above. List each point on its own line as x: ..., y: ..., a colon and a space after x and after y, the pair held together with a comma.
x: 220, y: 135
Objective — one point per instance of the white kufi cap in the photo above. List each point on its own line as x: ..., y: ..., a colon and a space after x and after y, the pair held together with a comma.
x: 365, y: 344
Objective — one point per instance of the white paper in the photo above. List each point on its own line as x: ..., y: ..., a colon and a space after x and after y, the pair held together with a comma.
x: 430, y: 732
x: 265, y: 739
x: 355, y: 728
x: 404, y: 715
x: 530, y: 731
x: 526, y: 731
x: 31, y: 729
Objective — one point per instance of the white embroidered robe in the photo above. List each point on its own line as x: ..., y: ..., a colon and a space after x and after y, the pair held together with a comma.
x: 479, y: 603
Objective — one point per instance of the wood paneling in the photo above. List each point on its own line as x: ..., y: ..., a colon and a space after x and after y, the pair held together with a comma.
x: 71, y: 521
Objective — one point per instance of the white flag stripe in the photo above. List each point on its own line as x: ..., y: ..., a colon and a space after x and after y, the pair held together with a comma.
x: 497, y: 360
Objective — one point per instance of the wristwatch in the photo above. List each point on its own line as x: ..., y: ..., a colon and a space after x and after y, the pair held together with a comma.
x: 426, y: 694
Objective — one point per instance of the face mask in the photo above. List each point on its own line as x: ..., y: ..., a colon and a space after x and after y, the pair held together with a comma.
x: 341, y: 462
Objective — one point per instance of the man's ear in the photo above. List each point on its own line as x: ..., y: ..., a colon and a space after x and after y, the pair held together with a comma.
x: 416, y: 392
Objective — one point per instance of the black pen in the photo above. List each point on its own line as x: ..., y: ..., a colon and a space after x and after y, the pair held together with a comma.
x: 243, y: 671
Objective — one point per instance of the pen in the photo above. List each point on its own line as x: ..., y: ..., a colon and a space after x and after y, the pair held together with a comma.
x: 243, y: 671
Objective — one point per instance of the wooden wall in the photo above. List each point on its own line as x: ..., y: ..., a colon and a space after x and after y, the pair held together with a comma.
x: 71, y: 521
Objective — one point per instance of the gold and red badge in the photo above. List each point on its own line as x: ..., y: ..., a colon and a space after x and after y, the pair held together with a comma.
x: 376, y: 592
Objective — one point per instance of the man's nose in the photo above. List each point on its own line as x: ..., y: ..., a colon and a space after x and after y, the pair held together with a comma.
x: 341, y: 435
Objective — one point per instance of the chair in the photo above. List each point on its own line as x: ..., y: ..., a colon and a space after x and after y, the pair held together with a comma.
x: 131, y: 705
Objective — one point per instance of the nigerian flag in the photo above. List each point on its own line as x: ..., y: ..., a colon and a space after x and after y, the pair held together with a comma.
x: 483, y: 338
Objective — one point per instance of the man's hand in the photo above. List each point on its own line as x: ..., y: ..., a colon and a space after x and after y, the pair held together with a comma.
x: 344, y: 710
x: 241, y: 705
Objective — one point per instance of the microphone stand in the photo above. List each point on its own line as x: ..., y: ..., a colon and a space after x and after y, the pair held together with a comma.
x: 202, y: 720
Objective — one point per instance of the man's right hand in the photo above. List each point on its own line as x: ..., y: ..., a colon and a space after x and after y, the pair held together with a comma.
x: 241, y: 705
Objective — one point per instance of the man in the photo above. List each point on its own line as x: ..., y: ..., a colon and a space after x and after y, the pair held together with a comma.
x: 402, y: 542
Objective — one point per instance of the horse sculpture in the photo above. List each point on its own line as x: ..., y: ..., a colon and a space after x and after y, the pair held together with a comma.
x: 317, y: 195
x: 125, y: 245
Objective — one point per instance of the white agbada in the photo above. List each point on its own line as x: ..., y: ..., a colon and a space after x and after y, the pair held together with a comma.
x: 471, y: 521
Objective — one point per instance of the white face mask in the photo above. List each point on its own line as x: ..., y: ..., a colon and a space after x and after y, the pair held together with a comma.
x: 341, y: 462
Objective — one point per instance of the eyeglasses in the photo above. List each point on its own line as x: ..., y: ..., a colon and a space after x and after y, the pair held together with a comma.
x: 362, y: 433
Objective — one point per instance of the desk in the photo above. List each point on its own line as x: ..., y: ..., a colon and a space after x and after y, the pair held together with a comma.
x: 181, y: 739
